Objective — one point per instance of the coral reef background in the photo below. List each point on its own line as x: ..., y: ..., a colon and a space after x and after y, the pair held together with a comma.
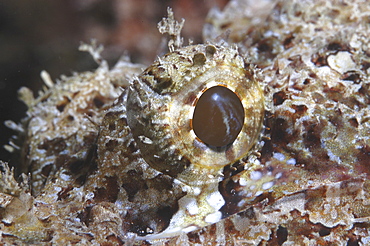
x: 45, y: 35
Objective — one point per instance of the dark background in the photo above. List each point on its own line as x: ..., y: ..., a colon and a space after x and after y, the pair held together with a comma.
x: 45, y: 35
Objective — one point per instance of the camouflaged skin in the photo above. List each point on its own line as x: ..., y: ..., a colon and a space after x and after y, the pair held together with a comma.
x: 309, y: 184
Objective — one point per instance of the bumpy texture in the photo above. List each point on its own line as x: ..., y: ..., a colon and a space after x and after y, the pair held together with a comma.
x: 303, y: 180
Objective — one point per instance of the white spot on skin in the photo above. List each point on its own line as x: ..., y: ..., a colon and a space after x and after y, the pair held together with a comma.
x: 215, y: 200
x: 333, y: 157
x: 177, y: 182
x: 279, y: 156
x: 291, y: 161
x: 65, y: 177
x: 241, y: 203
x: 145, y: 140
x: 89, y: 196
x: 258, y: 193
x: 278, y: 175
x: 213, y: 218
x: 255, y: 175
x: 341, y: 62
x: 242, y: 182
x: 196, y: 191
x: 290, y: 110
x: 267, y: 185
x: 190, y: 204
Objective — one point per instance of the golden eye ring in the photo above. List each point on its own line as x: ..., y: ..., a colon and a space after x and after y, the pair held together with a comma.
x: 164, y: 102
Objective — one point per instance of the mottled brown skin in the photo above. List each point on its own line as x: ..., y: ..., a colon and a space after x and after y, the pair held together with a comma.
x: 307, y: 185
